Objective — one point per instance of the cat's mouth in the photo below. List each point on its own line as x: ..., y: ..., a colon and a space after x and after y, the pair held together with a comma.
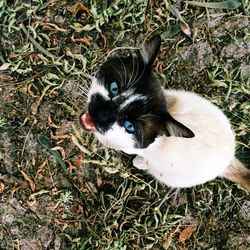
x: 87, y: 122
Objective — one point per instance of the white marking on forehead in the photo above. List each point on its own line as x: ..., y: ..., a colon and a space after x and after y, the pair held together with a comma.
x: 131, y: 99
x: 97, y: 88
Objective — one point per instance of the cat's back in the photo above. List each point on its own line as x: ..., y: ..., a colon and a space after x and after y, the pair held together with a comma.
x: 204, y: 118
x: 190, y: 161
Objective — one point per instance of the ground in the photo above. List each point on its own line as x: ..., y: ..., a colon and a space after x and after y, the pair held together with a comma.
x: 59, y: 188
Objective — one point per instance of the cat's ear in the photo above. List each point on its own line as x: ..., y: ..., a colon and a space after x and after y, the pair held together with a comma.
x: 150, y: 49
x: 175, y: 128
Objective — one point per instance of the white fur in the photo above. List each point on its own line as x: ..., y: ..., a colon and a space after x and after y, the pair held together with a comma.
x: 184, y: 162
x: 131, y: 99
x: 97, y: 88
x: 117, y: 137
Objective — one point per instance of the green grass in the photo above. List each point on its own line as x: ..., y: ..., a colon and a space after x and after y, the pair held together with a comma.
x: 102, y: 201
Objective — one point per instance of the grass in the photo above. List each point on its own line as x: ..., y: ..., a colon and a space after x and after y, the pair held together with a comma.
x: 101, y: 201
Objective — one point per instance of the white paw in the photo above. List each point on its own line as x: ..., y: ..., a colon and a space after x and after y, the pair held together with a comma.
x: 140, y: 163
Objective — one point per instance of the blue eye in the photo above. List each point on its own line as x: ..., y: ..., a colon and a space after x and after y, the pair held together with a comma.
x: 129, y: 127
x: 113, y: 87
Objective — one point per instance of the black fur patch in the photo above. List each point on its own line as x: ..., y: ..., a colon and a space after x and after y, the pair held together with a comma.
x: 133, y: 73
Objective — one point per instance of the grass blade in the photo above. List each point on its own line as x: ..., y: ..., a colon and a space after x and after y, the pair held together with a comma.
x: 228, y: 4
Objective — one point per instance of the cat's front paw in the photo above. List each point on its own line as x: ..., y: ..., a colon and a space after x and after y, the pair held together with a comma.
x: 140, y: 163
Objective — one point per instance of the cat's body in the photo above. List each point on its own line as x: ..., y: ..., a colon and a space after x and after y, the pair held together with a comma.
x: 179, y: 137
x: 185, y: 162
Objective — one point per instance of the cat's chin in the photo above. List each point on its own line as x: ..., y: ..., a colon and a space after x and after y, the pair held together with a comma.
x: 87, y: 122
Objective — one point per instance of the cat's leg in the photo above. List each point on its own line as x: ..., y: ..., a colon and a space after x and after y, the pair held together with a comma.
x: 140, y: 163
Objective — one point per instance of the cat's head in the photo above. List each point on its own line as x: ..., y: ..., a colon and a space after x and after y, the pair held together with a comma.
x: 126, y: 106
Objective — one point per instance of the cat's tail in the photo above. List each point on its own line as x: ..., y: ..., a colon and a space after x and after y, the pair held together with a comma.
x: 238, y: 173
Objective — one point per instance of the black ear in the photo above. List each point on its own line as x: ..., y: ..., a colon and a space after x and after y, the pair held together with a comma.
x: 175, y: 128
x: 150, y: 49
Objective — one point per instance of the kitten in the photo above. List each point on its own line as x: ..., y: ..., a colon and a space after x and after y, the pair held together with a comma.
x: 179, y: 137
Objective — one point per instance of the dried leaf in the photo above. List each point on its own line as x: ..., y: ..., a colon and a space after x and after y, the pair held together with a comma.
x: 79, y: 28
x: 228, y: 4
x: 1, y: 187
x: 5, y: 66
x: 185, y: 29
x: 52, y: 26
x: 86, y: 39
x: 79, y: 160
x: 80, y: 7
x: 59, y: 136
x: 184, y: 26
x: 33, y: 108
x: 31, y: 93
x: 71, y: 166
x: 51, y: 123
x: 40, y: 168
x: 28, y: 179
x: 186, y: 233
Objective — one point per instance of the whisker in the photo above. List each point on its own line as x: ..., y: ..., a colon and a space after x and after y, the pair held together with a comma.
x: 132, y: 75
x: 119, y: 73
x: 125, y: 70
x: 139, y: 76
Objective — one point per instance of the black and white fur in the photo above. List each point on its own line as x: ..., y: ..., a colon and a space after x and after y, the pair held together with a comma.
x: 179, y: 137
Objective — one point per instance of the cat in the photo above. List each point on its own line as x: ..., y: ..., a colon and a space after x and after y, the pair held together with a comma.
x: 179, y: 137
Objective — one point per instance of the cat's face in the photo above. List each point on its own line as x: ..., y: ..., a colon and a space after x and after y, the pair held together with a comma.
x: 126, y: 106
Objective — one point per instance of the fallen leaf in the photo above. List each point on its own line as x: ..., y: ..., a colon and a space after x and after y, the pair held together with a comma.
x: 59, y: 136
x: 31, y: 93
x: 61, y: 222
x: 61, y: 149
x: 80, y: 7
x: 184, y: 26
x: 52, y: 26
x: 1, y: 187
x: 40, y: 168
x: 51, y: 123
x: 29, y: 180
x: 33, y: 108
x: 71, y: 166
x: 79, y: 160
x: 186, y: 233
x: 86, y: 39
x: 5, y: 66
x: 79, y: 28
x: 185, y: 29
